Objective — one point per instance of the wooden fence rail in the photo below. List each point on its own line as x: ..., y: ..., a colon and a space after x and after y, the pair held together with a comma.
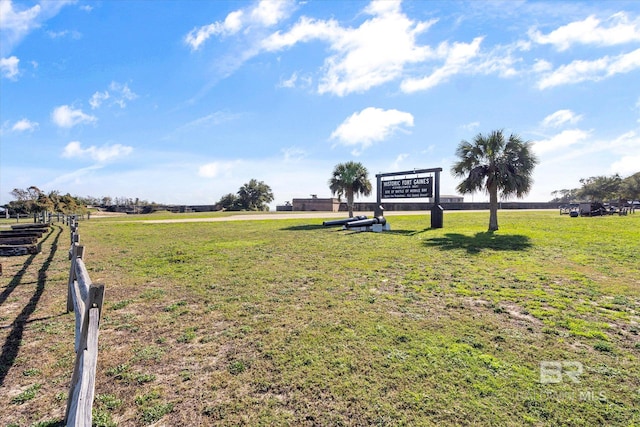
x: 85, y: 299
x: 43, y: 217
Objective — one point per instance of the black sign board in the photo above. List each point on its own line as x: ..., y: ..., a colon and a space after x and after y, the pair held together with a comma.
x: 407, y: 188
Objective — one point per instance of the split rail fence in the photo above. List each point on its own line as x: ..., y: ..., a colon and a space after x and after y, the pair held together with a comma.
x: 85, y: 299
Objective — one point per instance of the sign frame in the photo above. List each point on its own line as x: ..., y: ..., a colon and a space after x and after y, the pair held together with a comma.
x: 410, y: 188
x: 436, y: 209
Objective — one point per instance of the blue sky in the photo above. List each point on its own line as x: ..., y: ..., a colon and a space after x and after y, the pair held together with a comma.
x: 185, y: 101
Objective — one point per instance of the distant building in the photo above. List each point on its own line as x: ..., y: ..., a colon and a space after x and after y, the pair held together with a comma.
x: 314, y: 203
x: 287, y: 207
x: 450, y: 199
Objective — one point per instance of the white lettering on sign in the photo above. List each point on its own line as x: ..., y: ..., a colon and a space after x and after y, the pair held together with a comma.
x: 407, y: 188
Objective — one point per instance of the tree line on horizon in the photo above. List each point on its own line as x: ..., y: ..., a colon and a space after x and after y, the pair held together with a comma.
x: 33, y: 200
x: 493, y: 163
x: 612, y: 188
x: 254, y: 195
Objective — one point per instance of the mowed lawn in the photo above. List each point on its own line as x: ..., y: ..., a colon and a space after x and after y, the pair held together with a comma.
x: 286, y: 322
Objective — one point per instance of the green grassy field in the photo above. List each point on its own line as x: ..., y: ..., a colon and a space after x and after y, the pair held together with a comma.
x: 285, y: 322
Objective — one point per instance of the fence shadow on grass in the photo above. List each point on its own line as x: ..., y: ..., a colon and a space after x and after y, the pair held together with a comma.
x: 306, y: 227
x: 311, y: 227
x: 424, y: 230
x: 11, y: 345
x: 385, y: 232
x: 479, y: 242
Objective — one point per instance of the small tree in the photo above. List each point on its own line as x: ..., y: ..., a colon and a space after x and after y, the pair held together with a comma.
x: 255, y: 196
x: 26, y: 200
x: 600, y: 188
x: 350, y: 179
x: 228, y: 202
x: 630, y: 187
x: 495, y: 165
x: 564, y: 195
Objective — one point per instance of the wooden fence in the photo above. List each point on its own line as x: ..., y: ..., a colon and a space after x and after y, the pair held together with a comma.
x: 43, y: 217
x: 85, y: 299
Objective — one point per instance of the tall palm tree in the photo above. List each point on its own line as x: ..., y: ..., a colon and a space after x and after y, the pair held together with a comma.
x: 350, y: 179
x: 493, y: 164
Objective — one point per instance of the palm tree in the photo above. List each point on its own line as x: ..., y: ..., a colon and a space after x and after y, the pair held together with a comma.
x: 350, y: 179
x: 493, y: 164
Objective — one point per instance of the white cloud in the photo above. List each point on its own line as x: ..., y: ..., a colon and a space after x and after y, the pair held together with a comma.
x: 265, y: 14
x: 370, y: 125
x: 290, y: 82
x: 24, y: 125
x: 76, y: 178
x: 198, y: 36
x: 627, y: 165
x: 121, y: 94
x: 591, y: 152
x: 560, y: 141
x: 64, y: 33
x: 100, y: 154
x: 118, y: 93
x: 202, y: 123
x: 458, y: 57
x: 471, y: 126
x: 98, y: 98
x: 599, y: 69
x: 270, y: 12
x: 17, y: 23
x: 9, y: 67
x: 592, y: 157
x: 212, y: 119
x: 590, y: 31
x: 293, y: 154
x: 66, y: 117
x: 560, y: 118
x: 398, y: 161
x: 369, y: 55
x: 374, y: 53
x: 626, y: 144
x: 494, y: 62
x: 305, y: 30
x: 542, y: 66
x: 219, y: 168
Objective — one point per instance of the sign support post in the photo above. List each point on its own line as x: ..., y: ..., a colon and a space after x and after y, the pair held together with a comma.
x: 436, y: 210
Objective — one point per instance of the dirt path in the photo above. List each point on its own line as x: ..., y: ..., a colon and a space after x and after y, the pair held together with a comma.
x: 245, y: 217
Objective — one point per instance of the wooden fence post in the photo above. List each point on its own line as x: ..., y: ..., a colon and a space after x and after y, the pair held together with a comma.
x: 81, y: 392
x: 86, y: 300
x: 73, y: 256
